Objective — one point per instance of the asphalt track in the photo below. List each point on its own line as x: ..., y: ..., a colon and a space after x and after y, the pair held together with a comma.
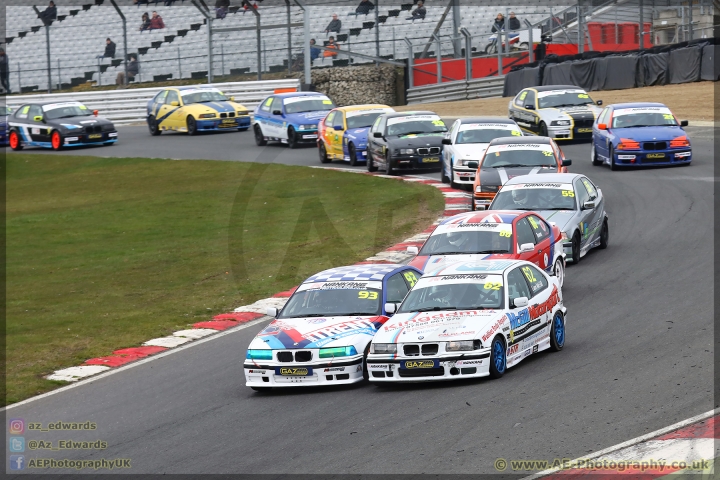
x: 638, y: 357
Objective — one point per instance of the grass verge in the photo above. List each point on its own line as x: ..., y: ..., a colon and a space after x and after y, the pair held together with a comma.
x: 108, y: 253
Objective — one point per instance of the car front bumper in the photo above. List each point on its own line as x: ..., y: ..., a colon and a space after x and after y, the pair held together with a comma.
x: 482, y: 201
x: 90, y: 139
x: 449, y: 366
x: 417, y: 162
x: 646, y: 157
x: 219, y: 124
x: 463, y: 175
x: 565, y: 132
x: 268, y: 374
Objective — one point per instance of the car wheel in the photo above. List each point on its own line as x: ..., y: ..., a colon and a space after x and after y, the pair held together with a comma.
x: 604, y: 235
x: 452, y: 182
x: 443, y: 176
x: 559, y: 271
x: 153, y: 126
x: 576, y: 249
x: 14, y: 140
x: 388, y: 165
x: 322, y: 153
x: 56, y: 140
x: 524, y: 46
x: 370, y: 166
x: 557, y: 332
x: 262, y: 389
x: 353, y: 155
x: 593, y: 154
x: 292, y: 138
x: 191, y: 125
x: 259, y: 138
x: 543, y: 129
x: 472, y: 204
x: 490, y: 49
x: 498, y: 358
x: 366, y: 374
x: 613, y: 165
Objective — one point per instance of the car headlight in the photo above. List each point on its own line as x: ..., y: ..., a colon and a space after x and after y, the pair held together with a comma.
x: 207, y: 115
x: 383, y: 348
x: 337, y: 352
x: 465, y: 162
x: 307, y: 127
x: 242, y: 113
x: 406, y: 151
x: 489, y: 188
x: 463, y: 345
x: 259, y: 355
x: 560, y: 123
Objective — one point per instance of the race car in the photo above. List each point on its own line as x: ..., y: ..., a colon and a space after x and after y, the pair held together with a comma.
x: 561, y: 112
x: 469, y: 320
x: 4, y: 114
x: 195, y: 109
x: 342, y: 135
x: 492, y: 235
x: 322, y: 334
x: 406, y: 141
x: 58, y: 125
x: 290, y: 118
x: 509, y: 157
x: 639, y: 134
x: 569, y: 200
x: 466, y: 142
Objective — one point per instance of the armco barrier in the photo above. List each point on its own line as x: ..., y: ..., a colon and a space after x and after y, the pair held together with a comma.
x: 130, y: 105
x: 461, y: 90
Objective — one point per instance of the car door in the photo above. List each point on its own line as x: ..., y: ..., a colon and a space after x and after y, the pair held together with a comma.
x: 276, y: 120
x: 40, y: 130
x: 539, y: 325
x: 517, y: 287
x: 599, y: 138
x: 524, y: 235
x: 166, y: 109
x: 177, y: 116
x: 397, y: 287
x: 585, y: 215
x: 158, y: 102
x: 543, y: 236
x: 327, y: 133
x: 378, y: 144
x: 449, y: 150
x: 338, y: 135
x: 595, y: 215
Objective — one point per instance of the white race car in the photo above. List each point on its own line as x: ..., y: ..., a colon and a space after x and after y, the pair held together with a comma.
x: 469, y: 320
x: 322, y: 334
x: 467, y: 141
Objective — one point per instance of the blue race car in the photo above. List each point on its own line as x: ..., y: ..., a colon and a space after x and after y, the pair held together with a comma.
x: 639, y: 134
x: 4, y: 114
x: 290, y: 118
x: 342, y: 135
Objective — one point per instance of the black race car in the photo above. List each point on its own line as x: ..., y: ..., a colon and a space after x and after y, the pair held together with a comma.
x: 58, y: 125
x: 406, y: 141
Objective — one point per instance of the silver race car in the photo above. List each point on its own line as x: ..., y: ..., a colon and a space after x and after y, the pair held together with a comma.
x: 568, y: 200
x: 561, y: 112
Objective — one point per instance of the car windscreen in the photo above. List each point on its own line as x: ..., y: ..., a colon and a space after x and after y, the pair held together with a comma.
x: 485, y: 134
x: 362, y: 120
x: 53, y: 112
x: 203, y: 96
x: 517, y: 156
x: 455, y: 292
x: 8, y: 110
x: 559, y: 196
x: 563, y: 98
x: 643, y: 117
x: 469, y: 239
x: 333, y: 302
x: 307, y: 104
x: 415, y: 125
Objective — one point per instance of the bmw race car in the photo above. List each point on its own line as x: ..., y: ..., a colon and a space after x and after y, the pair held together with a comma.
x: 508, y: 157
x: 639, y: 134
x: 406, y: 141
x: 290, y: 118
x: 569, y: 200
x: 193, y: 110
x: 4, y: 113
x: 561, y: 112
x: 321, y: 335
x: 469, y: 320
x: 506, y: 234
x: 467, y: 141
x: 342, y: 135
x: 58, y: 125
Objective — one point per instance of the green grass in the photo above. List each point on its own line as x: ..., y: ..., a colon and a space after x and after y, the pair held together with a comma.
x: 108, y: 253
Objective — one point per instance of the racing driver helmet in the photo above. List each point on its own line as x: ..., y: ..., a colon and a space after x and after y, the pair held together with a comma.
x: 457, y: 239
x: 520, y: 197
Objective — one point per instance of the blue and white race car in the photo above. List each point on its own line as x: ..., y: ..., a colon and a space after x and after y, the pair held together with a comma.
x: 469, y: 320
x: 4, y: 114
x: 290, y: 118
x: 639, y: 134
x: 322, y: 334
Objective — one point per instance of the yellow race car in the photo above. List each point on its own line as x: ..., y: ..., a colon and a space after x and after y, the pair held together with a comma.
x: 195, y: 109
x: 342, y: 135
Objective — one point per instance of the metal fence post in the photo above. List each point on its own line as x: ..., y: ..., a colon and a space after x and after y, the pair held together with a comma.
x: 498, y: 49
x: 49, y: 65
x: 210, y: 52
x: 99, y: 73
x: 393, y: 28
x: 377, y: 30
x: 468, y: 53
x: 641, y: 40
x: 581, y: 32
x: 531, y: 44
x: 438, y: 58
x: 125, y: 50
x: 289, y: 37
x: 59, y: 76
x: 222, y: 59
x: 179, y: 64
x: 306, y: 40
x: 411, y: 82
x: 690, y: 30
x: 19, y: 80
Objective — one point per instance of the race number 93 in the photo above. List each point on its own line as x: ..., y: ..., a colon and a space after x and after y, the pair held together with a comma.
x: 368, y: 295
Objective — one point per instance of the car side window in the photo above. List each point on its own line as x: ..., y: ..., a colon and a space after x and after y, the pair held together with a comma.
x: 329, y: 119
x: 376, y: 125
x: 590, y: 188
x: 530, y: 98
x: 520, y: 99
x: 602, y: 118
x: 535, y: 279
x: 517, y: 286
x: 266, y: 104
x: 524, y: 232
x: 276, y: 105
x: 581, y: 192
x: 396, y: 288
x: 160, y: 98
x: 172, y: 97
x: 454, y: 130
x: 338, y: 121
x: 410, y: 277
x: 23, y: 112
x: 35, y: 111
x: 539, y: 227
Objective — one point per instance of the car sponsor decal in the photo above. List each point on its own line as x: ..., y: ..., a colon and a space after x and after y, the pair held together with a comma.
x: 487, y: 126
x: 355, y: 113
x: 418, y: 364
x: 561, y: 92
x: 632, y: 111
x: 339, y: 286
x: 492, y: 282
x: 519, y: 146
x: 54, y: 106
x: 294, y: 371
x: 303, y: 98
x: 413, y: 118
x: 494, y: 328
x: 282, y: 334
x: 526, y: 318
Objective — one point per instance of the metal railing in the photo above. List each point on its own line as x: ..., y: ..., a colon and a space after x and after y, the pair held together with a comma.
x: 488, y: 87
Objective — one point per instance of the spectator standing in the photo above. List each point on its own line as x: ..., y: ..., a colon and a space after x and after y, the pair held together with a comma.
x: 419, y: 12
x: 314, y: 51
x: 513, y: 22
x: 49, y: 14
x: 145, y: 25
x: 109, y: 49
x: 331, y: 44
x: 364, y: 8
x: 156, y: 22
x: 132, y: 71
x: 499, y: 24
x: 221, y: 8
x: 334, y: 26
x: 4, y: 71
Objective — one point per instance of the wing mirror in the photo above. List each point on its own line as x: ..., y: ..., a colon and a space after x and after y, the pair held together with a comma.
x: 95, y: 112
x: 390, y: 308
x: 599, y: 102
x: 232, y: 99
x: 520, y: 302
x: 272, y: 312
x: 175, y: 103
x: 602, y: 126
x: 529, y: 107
x: 684, y: 123
x: 589, y: 205
x: 38, y: 118
x: 277, y: 112
x: 378, y: 135
x: 526, y: 247
x: 413, y: 250
x: 473, y: 164
x: 338, y: 127
x: 446, y: 141
x: 567, y: 162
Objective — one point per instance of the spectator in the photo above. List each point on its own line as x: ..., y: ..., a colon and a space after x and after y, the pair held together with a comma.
x: 49, y: 14
x: 513, y: 22
x: 334, y: 26
x: 156, y: 22
x: 331, y: 44
x: 246, y: 6
x: 314, y: 51
x: 132, y: 71
x: 145, y: 25
x: 4, y: 71
x: 364, y: 8
x: 109, y: 49
x: 419, y: 12
x: 499, y: 24
x: 221, y: 8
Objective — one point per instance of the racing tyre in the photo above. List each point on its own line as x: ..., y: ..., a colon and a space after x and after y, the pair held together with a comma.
x: 604, y: 235
x: 388, y: 165
x: 559, y: 271
x: 490, y: 49
x: 323, y: 154
x: 498, y: 358
x: 56, y: 140
x: 153, y: 126
x: 593, y: 154
x: 262, y: 389
x: 353, y: 155
x: 557, y: 332
x: 259, y: 138
x: 292, y: 138
x: 576, y: 249
x: 14, y: 140
x: 524, y: 46
x: 613, y: 166
x: 366, y: 374
x: 543, y: 130
x: 472, y: 204
x: 370, y: 166
x: 191, y: 125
